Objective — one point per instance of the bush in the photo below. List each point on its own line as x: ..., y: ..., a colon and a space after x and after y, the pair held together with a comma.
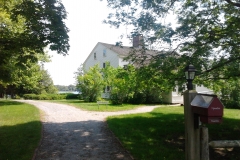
x: 116, y: 99
x: 29, y: 96
x: 50, y: 96
x: 232, y: 104
x: 72, y: 96
x: 138, y: 98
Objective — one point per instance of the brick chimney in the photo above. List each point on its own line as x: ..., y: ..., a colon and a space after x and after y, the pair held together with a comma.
x: 137, y: 41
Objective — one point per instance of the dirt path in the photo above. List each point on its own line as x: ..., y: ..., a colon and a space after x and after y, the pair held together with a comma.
x: 73, y: 134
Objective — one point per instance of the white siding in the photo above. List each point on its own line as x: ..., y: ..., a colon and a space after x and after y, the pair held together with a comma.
x: 122, y: 62
x: 111, y: 57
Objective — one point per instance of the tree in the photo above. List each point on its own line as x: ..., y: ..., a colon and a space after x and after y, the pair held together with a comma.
x: 91, y: 84
x: 46, y: 83
x: 66, y: 88
x: 27, y: 27
x: 120, y: 82
x: 135, y: 84
x: 29, y: 78
x: 228, y: 91
x: 207, y: 34
x: 150, y: 85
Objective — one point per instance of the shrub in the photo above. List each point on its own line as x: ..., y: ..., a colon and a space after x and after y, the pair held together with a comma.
x: 116, y: 99
x: 72, y: 96
x: 29, y: 96
x: 50, y: 96
x: 232, y: 104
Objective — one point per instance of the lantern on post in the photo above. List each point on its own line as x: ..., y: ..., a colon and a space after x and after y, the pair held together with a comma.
x: 192, y: 134
x: 190, y: 75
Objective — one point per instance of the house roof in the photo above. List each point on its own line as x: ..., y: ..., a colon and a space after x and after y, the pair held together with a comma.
x: 120, y: 50
x: 125, y: 50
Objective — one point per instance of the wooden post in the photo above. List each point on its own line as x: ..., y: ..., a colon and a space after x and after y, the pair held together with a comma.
x: 204, y: 144
x: 192, y: 135
x: 225, y: 143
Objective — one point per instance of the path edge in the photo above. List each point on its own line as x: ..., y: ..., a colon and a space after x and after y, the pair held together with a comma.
x: 113, y: 135
x: 42, y: 134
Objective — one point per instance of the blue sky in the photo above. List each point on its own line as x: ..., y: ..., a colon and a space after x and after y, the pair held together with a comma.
x: 86, y: 30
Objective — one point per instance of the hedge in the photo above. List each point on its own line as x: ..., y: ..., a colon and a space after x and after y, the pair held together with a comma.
x: 51, y: 96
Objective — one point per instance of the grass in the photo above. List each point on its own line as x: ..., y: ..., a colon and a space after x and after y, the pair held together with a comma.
x: 93, y: 106
x: 20, y: 130
x: 159, y: 135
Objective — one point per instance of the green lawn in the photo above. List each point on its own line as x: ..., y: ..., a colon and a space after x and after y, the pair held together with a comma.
x: 159, y: 135
x: 93, y: 106
x: 20, y: 130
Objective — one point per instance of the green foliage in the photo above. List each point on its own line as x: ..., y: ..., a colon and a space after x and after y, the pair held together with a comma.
x: 149, y: 85
x: 124, y: 85
x: 27, y: 27
x: 72, y: 96
x: 134, y: 85
x: 30, y: 79
x: 120, y: 81
x: 45, y: 96
x: 29, y: 96
x: 91, y: 84
x: 229, y: 92
x: 20, y: 130
x: 206, y: 34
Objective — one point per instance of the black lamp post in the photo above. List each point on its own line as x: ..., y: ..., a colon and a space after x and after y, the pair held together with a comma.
x: 190, y: 75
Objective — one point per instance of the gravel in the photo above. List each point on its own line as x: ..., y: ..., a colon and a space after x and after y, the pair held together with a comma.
x: 73, y: 134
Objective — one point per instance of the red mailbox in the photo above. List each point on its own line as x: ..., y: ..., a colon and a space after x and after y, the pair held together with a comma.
x: 208, y: 107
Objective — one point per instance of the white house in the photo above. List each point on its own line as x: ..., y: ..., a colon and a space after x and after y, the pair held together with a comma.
x: 113, y: 54
x: 103, y: 53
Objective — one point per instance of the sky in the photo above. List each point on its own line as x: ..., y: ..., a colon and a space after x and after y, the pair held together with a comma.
x: 86, y: 30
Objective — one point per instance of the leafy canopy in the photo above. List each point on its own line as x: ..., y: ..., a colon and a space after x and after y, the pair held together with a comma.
x: 206, y: 34
x: 27, y: 27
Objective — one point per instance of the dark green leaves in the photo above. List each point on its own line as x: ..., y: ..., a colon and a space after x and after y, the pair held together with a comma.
x: 206, y: 33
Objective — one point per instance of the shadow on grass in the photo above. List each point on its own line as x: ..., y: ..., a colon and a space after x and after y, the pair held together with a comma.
x: 158, y: 136
x: 19, y: 141
x: 152, y: 136
x: 6, y: 102
x: 228, y: 130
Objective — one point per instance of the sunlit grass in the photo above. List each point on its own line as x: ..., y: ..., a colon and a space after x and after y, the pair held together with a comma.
x: 20, y: 130
x: 159, y: 135
x: 93, y: 106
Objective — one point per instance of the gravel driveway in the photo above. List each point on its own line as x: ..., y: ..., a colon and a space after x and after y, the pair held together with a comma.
x: 73, y: 134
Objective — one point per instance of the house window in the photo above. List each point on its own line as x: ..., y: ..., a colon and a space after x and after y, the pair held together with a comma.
x: 104, y: 65
x: 104, y: 53
x: 95, y: 55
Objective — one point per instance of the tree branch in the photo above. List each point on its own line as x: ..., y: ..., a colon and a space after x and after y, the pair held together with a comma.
x: 237, y: 75
x: 233, y: 3
x: 220, y: 65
